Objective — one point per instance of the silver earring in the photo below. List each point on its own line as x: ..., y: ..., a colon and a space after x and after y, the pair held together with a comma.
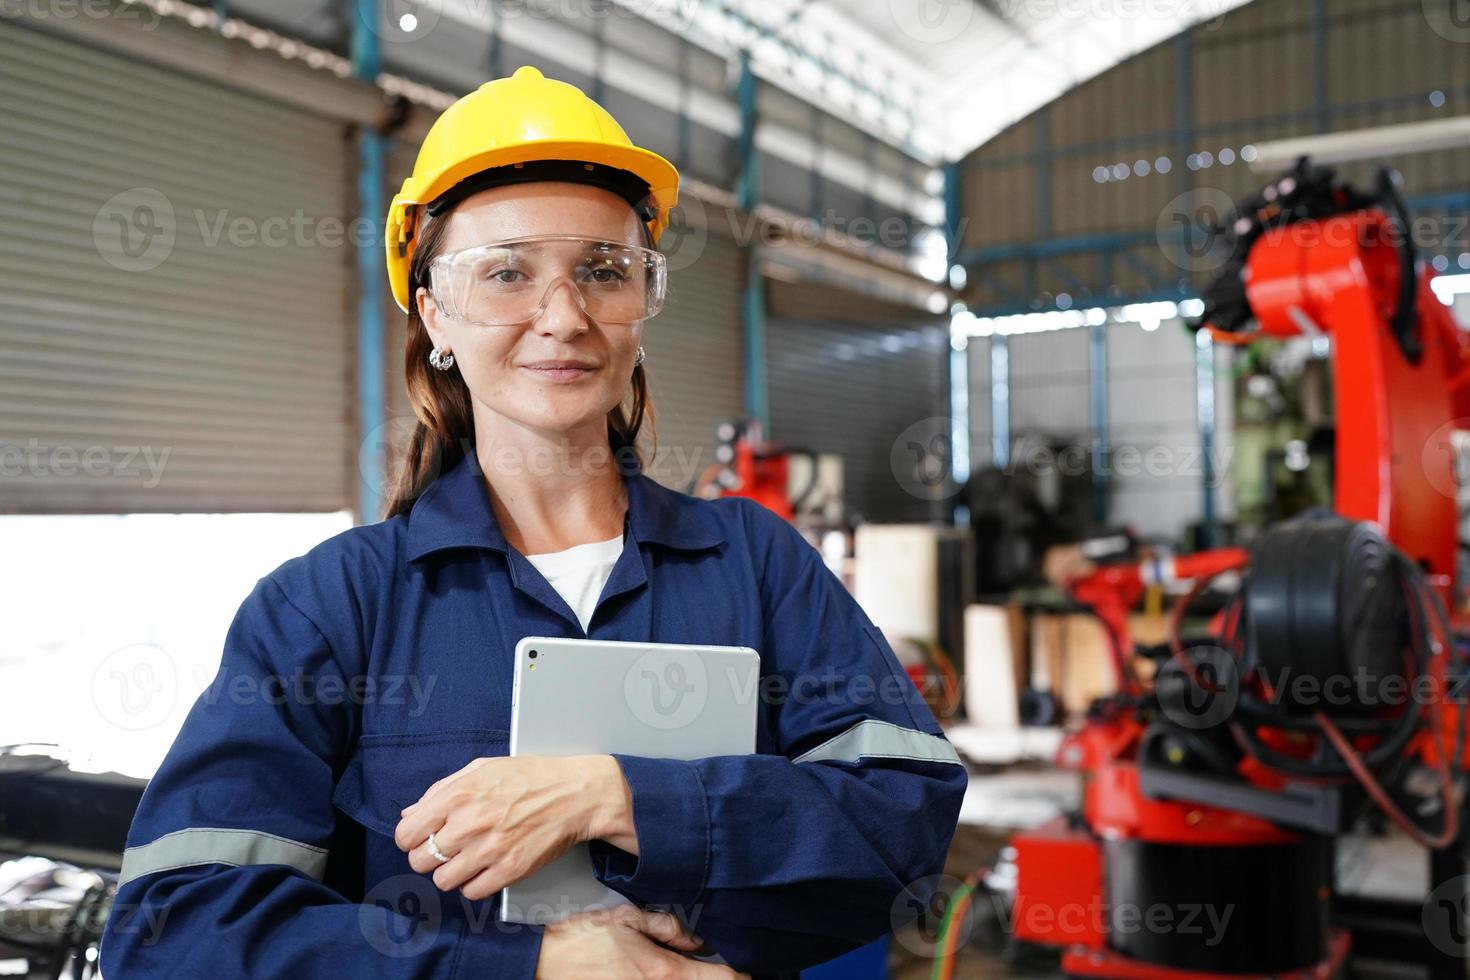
x: 441, y: 359
x: 638, y: 359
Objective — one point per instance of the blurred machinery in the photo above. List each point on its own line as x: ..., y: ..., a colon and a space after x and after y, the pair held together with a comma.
x: 1017, y: 513
x: 914, y: 581
x: 1283, y: 436
x: 799, y: 484
x: 1220, y: 782
x: 62, y: 834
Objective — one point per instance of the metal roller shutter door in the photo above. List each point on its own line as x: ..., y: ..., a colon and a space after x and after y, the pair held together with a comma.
x: 177, y: 271
x: 695, y: 357
x: 854, y: 388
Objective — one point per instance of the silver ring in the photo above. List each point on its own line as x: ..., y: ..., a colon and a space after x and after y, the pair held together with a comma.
x: 439, y: 855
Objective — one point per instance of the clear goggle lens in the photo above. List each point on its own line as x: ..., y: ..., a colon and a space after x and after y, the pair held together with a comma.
x: 511, y: 282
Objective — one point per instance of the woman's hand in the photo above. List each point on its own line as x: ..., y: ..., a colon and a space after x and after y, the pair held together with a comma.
x: 622, y: 942
x: 501, y: 819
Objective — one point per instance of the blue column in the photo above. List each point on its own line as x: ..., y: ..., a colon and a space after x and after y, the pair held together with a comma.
x: 753, y: 304
x: 371, y: 278
x: 953, y: 174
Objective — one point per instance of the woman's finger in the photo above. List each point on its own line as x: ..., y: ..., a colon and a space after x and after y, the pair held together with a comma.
x: 483, y: 885
x: 422, y: 859
x: 455, y: 872
x: 413, y: 829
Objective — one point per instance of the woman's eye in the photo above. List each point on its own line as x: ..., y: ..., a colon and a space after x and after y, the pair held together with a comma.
x: 505, y: 277
x: 606, y: 275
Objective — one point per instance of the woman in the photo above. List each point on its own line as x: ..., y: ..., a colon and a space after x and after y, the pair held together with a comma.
x: 339, y: 801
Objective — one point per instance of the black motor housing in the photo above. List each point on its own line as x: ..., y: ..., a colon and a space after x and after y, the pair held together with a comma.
x: 1326, y: 617
x: 1252, y: 909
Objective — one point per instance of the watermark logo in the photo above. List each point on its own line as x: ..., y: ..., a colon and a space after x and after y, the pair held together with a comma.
x: 142, y: 463
x: 921, y: 457
x: 401, y: 916
x: 1121, y: 460
x: 1202, y: 693
x: 683, y: 241
x: 1445, y: 916
x: 1191, y: 230
x: 666, y: 688
x: 1450, y: 19
x: 399, y: 21
x: 917, y: 915
x: 135, y: 687
x: 932, y: 21
x: 1446, y: 456
x: 134, y: 230
x: 384, y: 448
x: 80, y: 9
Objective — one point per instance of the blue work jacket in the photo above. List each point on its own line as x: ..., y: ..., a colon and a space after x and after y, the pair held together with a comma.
x: 358, y: 674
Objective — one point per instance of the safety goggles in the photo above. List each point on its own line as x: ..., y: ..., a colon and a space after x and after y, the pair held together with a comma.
x: 511, y: 282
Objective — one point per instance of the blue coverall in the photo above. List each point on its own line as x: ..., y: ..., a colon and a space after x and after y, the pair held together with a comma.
x: 356, y: 675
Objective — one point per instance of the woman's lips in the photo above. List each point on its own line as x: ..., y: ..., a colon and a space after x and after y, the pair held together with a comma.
x: 560, y: 372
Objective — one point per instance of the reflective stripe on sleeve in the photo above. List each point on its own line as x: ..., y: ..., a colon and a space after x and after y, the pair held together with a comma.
x: 874, y: 739
x: 216, y: 845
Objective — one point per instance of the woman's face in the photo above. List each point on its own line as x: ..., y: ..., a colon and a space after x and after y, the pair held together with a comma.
x: 523, y: 371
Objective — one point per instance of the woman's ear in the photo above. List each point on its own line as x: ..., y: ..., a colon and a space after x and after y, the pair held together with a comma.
x: 429, y: 314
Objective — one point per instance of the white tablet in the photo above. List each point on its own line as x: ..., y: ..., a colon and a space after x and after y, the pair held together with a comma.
x: 596, y: 697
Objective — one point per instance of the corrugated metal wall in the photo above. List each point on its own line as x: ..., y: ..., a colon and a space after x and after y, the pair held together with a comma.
x: 695, y: 359
x: 1253, y: 76
x: 1157, y: 467
x: 982, y: 426
x: 1049, y: 386
x: 174, y: 335
x: 840, y: 383
x: 1155, y: 463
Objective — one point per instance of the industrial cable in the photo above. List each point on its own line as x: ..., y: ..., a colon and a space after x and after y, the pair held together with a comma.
x: 950, y: 925
x: 1351, y: 764
x: 1450, y: 824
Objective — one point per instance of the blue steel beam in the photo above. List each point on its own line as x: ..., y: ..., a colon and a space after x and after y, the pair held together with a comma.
x: 1111, y: 299
x: 753, y: 302
x: 372, y: 151
x: 953, y: 204
x: 856, y: 81
x: 1107, y: 148
x: 1116, y: 244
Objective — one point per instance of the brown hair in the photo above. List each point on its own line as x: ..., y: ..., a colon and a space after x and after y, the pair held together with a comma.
x: 444, y: 430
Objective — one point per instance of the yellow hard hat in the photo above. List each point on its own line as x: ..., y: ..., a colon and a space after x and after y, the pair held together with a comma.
x: 509, y: 122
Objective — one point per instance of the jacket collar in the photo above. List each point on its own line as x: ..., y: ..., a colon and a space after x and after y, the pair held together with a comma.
x: 455, y: 512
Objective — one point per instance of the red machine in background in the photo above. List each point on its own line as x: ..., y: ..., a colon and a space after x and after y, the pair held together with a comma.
x: 746, y: 465
x: 1215, y: 788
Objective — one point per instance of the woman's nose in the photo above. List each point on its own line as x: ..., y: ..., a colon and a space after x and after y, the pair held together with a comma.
x: 562, y: 315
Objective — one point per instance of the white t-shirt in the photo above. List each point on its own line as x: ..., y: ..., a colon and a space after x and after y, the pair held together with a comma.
x: 579, y: 573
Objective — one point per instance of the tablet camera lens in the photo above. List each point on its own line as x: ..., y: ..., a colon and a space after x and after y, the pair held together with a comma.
x: 533, y: 654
